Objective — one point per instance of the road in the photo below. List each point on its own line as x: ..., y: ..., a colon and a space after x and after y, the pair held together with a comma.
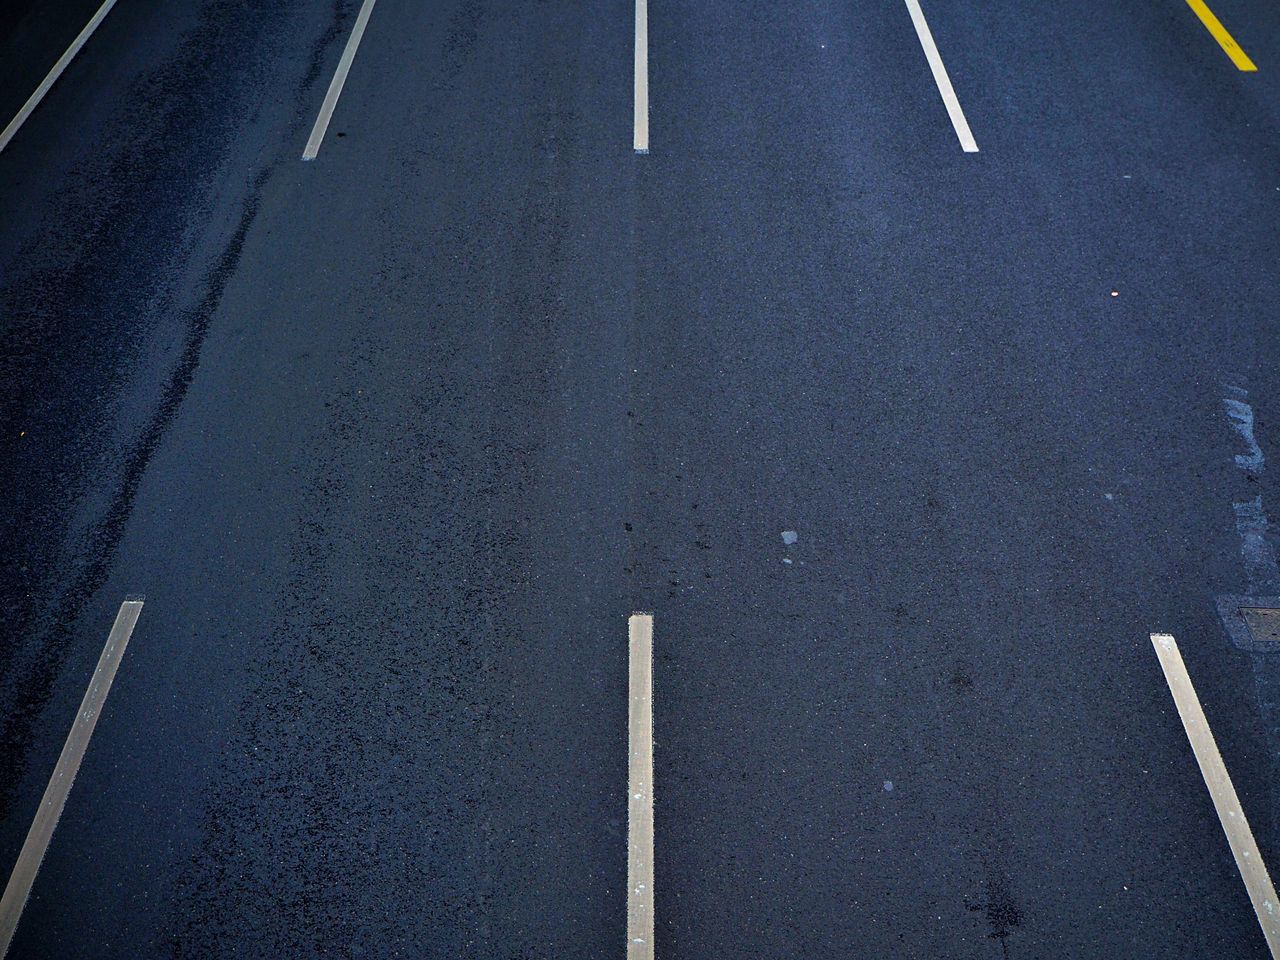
x: 907, y: 449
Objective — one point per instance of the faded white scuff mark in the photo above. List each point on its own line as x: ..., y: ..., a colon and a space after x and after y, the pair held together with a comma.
x: 1260, y: 566
x: 1251, y: 518
x: 1259, y: 555
x: 1241, y: 417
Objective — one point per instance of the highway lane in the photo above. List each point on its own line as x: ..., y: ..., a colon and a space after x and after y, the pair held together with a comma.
x: 456, y: 397
x: 938, y: 394
x: 453, y: 764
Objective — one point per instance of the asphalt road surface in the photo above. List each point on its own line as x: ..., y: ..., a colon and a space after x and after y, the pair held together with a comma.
x: 907, y: 448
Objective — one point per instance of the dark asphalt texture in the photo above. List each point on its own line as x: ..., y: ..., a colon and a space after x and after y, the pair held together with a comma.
x: 395, y: 440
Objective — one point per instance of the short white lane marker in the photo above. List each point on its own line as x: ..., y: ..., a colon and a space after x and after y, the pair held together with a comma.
x: 640, y: 802
x: 64, y: 774
x: 33, y: 101
x: 1254, y: 872
x: 339, y: 78
x: 940, y: 77
x: 642, y: 77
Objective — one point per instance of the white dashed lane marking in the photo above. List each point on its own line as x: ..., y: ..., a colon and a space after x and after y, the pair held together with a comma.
x: 640, y: 799
x: 940, y: 77
x: 64, y: 774
x: 641, y: 140
x: 1253, y: 871
x: 33, y: 101
x: 339, y: 78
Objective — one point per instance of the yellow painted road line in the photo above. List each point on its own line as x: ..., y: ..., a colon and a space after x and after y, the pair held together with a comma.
x: 1225, y: 40
x: 640, y: 793
x: 1249, y: 861
x: 64, y: 774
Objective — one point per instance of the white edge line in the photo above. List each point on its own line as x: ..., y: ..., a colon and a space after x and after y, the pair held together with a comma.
x: 339, y: 78
x: 64, y: 774
x: 1234, y: 824
x: 640, y: 897
x: 33, y: 101
x: 641, y: 140
x: 949, y: 99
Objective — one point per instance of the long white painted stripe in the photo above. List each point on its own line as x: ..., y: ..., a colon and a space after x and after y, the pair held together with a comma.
x: 64, y: 774
x: 640, y: 802
x: 1254, y: 872
x: 941, y: 79
x: 339, y: 78
x: 33, y: 101
x: 642, y: 77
